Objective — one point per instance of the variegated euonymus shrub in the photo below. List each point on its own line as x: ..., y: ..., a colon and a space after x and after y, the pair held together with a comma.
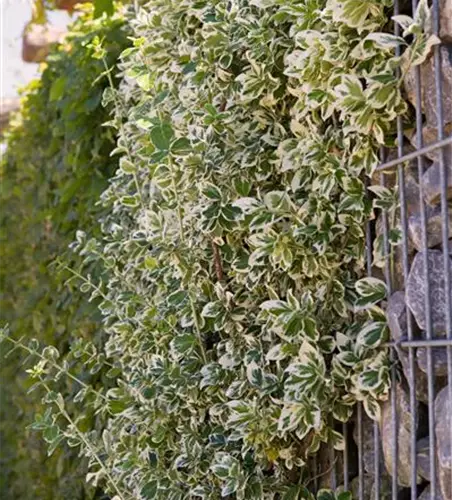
x: 240, y: 325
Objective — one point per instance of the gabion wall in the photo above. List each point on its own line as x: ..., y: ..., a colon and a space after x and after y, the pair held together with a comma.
x: 408, y: 454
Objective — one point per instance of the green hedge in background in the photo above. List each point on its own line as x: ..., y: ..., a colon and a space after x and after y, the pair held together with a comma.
x: 56, y: 164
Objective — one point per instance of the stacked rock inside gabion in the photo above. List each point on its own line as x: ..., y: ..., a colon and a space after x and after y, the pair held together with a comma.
x: 423, y: 288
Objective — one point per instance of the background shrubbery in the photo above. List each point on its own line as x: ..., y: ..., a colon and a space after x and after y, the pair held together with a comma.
x: 237, y: 330
x: 54, y: 169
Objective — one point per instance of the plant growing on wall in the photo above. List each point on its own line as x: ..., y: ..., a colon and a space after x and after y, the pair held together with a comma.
x: 239, y: 324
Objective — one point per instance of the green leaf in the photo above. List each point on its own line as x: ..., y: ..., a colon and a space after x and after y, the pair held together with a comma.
x: 127, y: 166
x: 386, y: 40
x: 373, y: 409
x: 276, y: 307
x: 183, y: 343
x: 212, y: 192
x: 161, y: 136
x: 57, y: 88
x: 150, y: 263
x: 372, y: 335
x: 326, y: 495
x: 103, y: 6
x: 181, y: 146
x: 371, y: 291
x: 176, y: 298
x: 150, y: 490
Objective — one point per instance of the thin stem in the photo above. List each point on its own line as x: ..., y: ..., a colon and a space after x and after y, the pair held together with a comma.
x: 198, y: 330
x: 179, y: 209
x: 80, y: 276
x: 18, y: 343
x: 87, y: 444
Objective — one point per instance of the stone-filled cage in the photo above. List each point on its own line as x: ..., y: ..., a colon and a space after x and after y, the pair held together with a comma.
x: 408, y: 453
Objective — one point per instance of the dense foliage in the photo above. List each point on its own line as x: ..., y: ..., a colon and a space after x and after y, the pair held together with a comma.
x: 239, y: 325
x: 53, y: 171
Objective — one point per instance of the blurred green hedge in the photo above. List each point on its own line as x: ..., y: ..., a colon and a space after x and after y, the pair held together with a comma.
x: 56, y: 165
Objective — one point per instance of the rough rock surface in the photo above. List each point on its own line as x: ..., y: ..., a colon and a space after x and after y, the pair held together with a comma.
x: 439, y: 360
x: 427, y: 495
x: 403, y: 434
x: 423, y: 458
x: 445, y: 21
x: 430, y: 136
x: 36, y: 41
x: 369, y: 488
x: 416, y: 290
x: 443, y: 432
x: 428, y: 89
x: 431, y: 183
x: 397, y: 322
x: 434, y: 224
x: 368, y: 445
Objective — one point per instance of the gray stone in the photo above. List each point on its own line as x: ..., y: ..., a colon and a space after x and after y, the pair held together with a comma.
x: 445, y: 20
x: 390, y: 176
x: 434, y: 221
x: 403, y: 436
x: 443, y: 432
x: 439, y: 360
x: 428, y: 89
x: 397, y: 322
x: 369, y: 487
x: 423, y: 458
x: 412, y: 196
x: 427, y: 495
x: 367, y: 426
x: 431, y: 183
x: 368, y: 482
x: 428, y: 100
x: 430, y: 136
x: 416, y: 290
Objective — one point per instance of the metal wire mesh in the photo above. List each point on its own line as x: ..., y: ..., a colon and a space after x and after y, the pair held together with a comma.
x: 430, y: 341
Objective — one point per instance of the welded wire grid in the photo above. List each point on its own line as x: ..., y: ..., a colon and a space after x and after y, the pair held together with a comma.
x: 397, y: 166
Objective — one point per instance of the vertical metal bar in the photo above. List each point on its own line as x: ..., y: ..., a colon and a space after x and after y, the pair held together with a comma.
x: 345, y: 455
x: 316, y: 471
x: 429, y: 329
x: 395, y: 444
x: 405, y: 267
x: 444, y: 204
x: 411, y: 356
x: 333, y: 477
x: 377, y: 461
x: 376, y: 430
x: 394, y: 423
x: 332, y: 460
x: 359, y: 422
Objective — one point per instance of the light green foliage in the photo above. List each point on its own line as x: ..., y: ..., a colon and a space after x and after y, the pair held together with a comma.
x: 238, y: 320
x: 53, y: 171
